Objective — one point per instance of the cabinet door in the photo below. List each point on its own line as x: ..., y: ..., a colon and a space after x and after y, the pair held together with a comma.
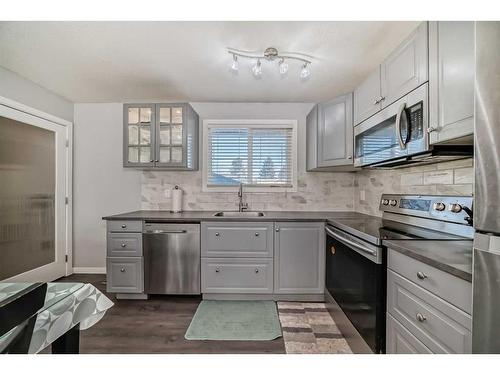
x: 367, y: 97
x: 299, y: 265
x: 406, y: 68
x: 124, y: 275
x: 138, y: 135
x: 451, y: 81
x: 171, y: 135
x: 312, y: 139
x: 335, y: 132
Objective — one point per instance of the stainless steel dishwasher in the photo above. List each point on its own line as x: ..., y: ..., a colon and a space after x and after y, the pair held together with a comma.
x: 171, y: 258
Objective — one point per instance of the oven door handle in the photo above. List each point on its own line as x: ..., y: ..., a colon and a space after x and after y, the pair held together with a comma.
x: 350, y: 243
x: 401, y: 112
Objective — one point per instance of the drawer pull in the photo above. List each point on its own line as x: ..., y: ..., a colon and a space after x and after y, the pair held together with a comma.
x: 124, y: 226
x: 217, y: 270
x: 421, y: 275
x: 256, y: 270
x: 124, y: 245
x: 217, y: 234
x: 122, y: 269
x: 257, y: 234
x: 421, y: 318
x: 277, y: 229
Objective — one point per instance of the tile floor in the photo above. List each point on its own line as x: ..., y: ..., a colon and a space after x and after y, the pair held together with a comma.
x: 308, y: 328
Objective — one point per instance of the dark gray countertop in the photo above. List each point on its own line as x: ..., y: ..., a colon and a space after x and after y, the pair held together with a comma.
x: 196, y: 216
x: 454, y: 257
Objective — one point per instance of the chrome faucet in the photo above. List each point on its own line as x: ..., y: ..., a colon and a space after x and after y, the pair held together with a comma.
x: 241, y: 206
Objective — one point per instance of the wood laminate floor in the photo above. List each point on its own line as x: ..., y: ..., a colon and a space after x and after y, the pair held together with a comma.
x: 157, y: 325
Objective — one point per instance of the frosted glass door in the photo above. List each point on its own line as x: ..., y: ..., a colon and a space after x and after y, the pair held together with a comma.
x: 32, y: 197
x: 171, y: 130
x: 139, y: 135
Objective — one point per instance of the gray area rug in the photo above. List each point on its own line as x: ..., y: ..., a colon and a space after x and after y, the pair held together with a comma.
x: 235, y: 320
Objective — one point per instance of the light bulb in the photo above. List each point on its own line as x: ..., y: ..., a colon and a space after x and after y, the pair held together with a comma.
x: 283, y: 67
x: 305, y: 72
x: 257, y: 69
x: 234, y: 64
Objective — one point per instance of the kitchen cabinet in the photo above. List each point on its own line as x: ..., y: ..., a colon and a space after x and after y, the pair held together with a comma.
x: 428, y: 310
x: 329, y: 135
x: 163, y: 136
x: 367, y: 97
x: 299, y: 266
x: 451, y: 81
x: 406, y: 68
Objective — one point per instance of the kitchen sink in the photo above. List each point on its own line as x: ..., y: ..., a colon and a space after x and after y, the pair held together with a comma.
x: 239, y: 214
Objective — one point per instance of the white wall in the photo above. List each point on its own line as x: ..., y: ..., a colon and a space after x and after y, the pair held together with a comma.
x: 101, y: 185
x: 21, y: 90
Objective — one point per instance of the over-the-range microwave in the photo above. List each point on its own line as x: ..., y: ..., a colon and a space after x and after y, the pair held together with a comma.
x: 397, y: 136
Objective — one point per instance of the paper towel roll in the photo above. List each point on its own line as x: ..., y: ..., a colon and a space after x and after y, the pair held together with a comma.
x: 176, y: 199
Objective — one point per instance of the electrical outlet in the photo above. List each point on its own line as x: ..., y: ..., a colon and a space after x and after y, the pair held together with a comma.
x: 362, y: 195
x: 168, y: 193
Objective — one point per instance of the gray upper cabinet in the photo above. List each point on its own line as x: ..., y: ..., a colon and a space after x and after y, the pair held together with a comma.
x: 299, y: 265
x: 330, y: 134
x: 161, y: 136
x: 451, y: 81
x: 406, y: 68
x: 367, y: 97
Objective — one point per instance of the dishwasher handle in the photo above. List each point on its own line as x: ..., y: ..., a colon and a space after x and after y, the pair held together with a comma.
x: 165, y: 231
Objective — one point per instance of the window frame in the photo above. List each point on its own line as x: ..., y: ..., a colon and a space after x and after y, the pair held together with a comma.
x: 290, y: 124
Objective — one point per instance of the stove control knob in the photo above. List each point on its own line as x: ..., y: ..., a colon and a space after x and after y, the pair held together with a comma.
x: 455, y: 208
x: 393, y: 202
x: 385, y: 202
x: 439, y: 206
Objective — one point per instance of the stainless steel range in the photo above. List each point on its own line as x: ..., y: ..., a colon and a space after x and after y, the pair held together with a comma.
x: 356, y: 257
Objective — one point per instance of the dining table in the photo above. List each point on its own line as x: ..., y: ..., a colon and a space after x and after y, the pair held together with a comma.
x: 66, y: 309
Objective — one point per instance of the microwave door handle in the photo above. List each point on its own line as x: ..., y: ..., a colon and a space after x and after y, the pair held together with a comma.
x: 401, y: 111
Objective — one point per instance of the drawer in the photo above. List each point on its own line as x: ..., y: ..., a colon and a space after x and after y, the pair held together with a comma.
x: 240, y: 239
x: 124, y: 226
x: 401, y: 341
x: 450, y: 288
x: 124, y: 275
x: 124, y: 244
x: 232, y: 275
x: 440, y: 326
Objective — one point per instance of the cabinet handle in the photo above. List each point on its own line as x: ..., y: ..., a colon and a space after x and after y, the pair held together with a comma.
x: 124, y: 226
x: 421, y: 318
x: 382, y: 98
x: 124, y: 245
x: 151, y: 161
x: 257, y: 234
x: 421, y: 275
x: 277, y: 229
x: 122, y: 269
x: 256, y: 270
x: 349, y: 157
x: 156, y: 161
x: 217, y: 270
x: 217, y: 234
x: 376, y: 101
x: 431, y: 129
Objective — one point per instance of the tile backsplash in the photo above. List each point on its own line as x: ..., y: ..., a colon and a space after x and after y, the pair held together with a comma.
x: 448, y: 178
x: 316, y: 191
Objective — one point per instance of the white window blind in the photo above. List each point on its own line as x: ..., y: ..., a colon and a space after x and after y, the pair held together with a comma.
x: 255, y: 155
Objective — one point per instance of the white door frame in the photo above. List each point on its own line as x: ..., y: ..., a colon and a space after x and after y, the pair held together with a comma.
x: 68, y: 127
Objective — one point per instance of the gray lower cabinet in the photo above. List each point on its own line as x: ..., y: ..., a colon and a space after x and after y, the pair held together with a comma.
x: 299, y: 266
x: 429, y: 315
x: 451, y: 81
x: 125, y: 275
x: 124, y: 262
x: 330, y: 135
x: 237, y: 275
x: 160, y: 136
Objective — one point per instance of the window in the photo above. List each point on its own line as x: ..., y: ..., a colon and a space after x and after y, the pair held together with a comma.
x: 260, y: 154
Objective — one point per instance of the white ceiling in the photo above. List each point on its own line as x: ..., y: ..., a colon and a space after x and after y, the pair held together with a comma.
x: 125, y: 61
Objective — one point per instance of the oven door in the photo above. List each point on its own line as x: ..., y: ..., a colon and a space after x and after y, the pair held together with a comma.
x: 396, y: 132
x: 355, y: 278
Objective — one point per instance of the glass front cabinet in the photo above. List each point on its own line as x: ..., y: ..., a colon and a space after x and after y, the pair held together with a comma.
x: 160, y: 136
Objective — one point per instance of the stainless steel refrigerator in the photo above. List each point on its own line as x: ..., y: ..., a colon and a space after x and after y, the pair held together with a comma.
x: 486, y: 257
